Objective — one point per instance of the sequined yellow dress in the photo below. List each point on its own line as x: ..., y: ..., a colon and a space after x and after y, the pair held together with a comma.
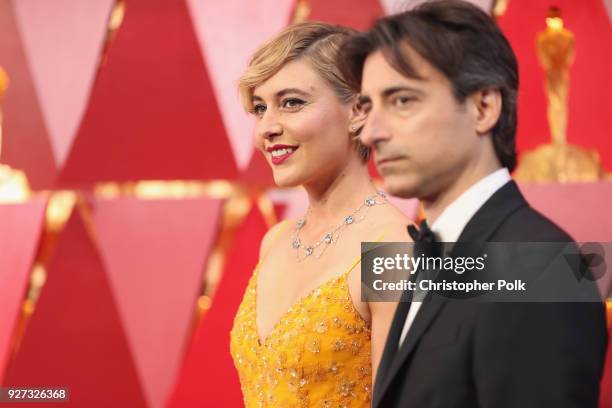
x: 317, y: 355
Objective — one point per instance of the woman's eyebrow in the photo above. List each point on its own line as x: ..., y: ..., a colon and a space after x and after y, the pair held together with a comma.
x: 282, y: 93
x: 286, y: 91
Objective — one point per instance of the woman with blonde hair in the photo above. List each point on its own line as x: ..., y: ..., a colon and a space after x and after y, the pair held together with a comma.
x: 302, y: 336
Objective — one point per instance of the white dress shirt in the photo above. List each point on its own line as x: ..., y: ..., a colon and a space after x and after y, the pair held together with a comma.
x: 454, y: 218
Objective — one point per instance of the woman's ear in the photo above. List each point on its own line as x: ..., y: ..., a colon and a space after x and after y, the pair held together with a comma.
x: 488, y: 104
x: 357, y: 116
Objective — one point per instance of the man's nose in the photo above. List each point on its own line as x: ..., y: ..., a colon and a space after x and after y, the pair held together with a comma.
x: 374, y: 130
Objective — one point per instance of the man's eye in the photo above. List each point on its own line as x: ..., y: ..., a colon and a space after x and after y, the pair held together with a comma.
x: 401, y: 101
x: 363, y: 107
x: 292, y: 103
x: 258, y: 110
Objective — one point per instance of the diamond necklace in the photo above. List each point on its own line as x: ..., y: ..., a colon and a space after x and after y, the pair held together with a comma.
x: 332, y: 236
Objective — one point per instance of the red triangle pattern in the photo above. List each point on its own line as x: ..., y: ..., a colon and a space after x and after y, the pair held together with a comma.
x: 208, y: 377
x: 74, y: 338
x: 346, y: 13
x: 152, y: 113
x: 258, y: 172
x: 606, y: 382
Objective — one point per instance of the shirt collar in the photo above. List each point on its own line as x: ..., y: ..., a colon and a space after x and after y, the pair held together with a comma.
x: 453, y: 219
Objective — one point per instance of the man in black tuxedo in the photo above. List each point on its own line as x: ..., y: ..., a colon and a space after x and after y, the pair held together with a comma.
x: 438, y: 93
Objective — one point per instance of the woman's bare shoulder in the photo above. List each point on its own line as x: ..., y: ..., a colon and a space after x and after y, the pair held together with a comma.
x: 390, y: 223
x: 272, y: 235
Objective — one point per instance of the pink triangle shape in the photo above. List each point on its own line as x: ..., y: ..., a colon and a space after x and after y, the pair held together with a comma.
x: 25, y: 143
x: 228, y: 32
x: 21, y: 227
x: 63, y: 40
x: 155, y: 252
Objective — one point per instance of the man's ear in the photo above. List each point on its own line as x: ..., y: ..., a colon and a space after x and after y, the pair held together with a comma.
x: 488, y: 104
x: 357, y: 117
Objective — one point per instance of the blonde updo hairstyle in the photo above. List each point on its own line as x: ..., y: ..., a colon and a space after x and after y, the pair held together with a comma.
x: 317, y: 43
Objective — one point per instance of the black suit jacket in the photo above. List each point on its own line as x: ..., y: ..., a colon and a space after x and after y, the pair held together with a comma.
x: 496, y: 355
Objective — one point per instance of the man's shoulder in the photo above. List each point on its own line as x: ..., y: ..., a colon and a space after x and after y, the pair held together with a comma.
x: 528, y: 224
x: 507, y: 216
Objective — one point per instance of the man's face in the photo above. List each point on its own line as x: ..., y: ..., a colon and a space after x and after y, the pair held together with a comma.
x: 422, y: 138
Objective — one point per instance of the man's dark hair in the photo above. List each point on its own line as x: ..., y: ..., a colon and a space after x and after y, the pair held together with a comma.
x: 459, y: 40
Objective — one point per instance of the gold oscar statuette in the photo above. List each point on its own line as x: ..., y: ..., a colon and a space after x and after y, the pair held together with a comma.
x: 499, y: 7
x: 301, y: 11
x: 558, y: 160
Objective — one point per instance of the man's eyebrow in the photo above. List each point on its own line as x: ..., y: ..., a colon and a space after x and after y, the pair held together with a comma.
x: 397, y: 88
x: 362, y: 99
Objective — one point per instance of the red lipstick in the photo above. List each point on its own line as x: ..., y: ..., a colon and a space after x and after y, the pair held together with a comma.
x: 279, y: 153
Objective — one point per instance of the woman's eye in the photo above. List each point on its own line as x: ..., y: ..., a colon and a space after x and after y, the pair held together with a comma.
x: 258, y: 110
x: 292, y: 103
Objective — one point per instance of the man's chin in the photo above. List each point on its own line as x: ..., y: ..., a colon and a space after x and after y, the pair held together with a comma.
x: 397, y: 186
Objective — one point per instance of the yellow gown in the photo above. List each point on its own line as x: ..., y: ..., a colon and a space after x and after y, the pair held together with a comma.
x: 317, y: 354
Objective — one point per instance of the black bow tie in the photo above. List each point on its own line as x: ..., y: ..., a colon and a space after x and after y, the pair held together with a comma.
x: 423, y: 234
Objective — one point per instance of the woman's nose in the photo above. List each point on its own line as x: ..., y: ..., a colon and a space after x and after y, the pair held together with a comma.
x: 268, y: 127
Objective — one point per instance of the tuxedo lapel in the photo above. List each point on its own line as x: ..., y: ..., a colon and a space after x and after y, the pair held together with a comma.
x: 493, y: 213
x: 429, y: 310
x: 480, y: 228
x: 392, y: 343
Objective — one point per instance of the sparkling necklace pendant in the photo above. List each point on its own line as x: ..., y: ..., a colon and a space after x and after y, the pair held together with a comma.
x: 331, y: 237
x: 296, y: 243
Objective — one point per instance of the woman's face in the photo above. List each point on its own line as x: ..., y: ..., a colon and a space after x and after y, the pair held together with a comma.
x: 302, y: 126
